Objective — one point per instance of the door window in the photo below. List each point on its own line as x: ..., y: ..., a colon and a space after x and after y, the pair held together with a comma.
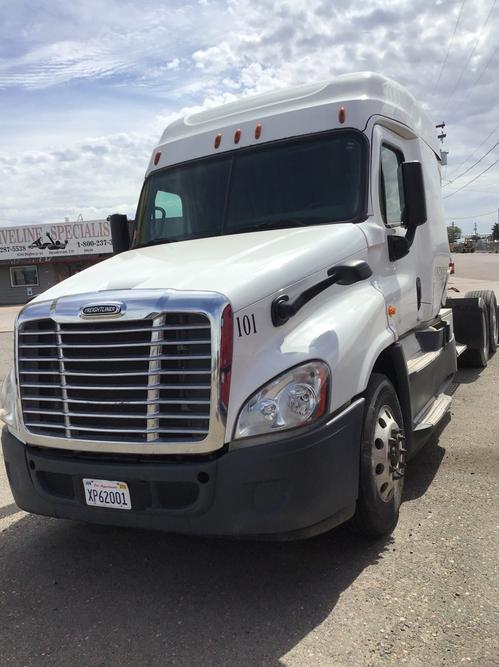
x: 392, y: 191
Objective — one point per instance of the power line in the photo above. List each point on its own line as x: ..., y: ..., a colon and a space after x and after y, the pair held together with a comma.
x: 476, y: 149
x: 486, y: 66
x: 449, y: 46
x: 472, y: 166
x: 483, y: 192
x: 475, y: 215
x: 472, y: 53
x: 472, y: 180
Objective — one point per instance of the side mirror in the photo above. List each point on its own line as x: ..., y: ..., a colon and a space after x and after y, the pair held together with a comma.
x: 119, y: 232
x: 414, y: 195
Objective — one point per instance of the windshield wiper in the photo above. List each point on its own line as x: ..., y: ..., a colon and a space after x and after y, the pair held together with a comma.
x: 164, y: 239
x: 153, y: 242
x: 270, y: 224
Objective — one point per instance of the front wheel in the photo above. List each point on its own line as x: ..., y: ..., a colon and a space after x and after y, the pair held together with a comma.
x: 382, y: 460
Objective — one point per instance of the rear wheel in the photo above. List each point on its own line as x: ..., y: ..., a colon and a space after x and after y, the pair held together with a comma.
x: 490, y: 301
x: 477, y: 356
x: 382, y: 460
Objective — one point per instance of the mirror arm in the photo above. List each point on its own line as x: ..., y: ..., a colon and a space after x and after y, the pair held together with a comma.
x: 399, y: 246
x: 282, y: 309
x: 409, y: 235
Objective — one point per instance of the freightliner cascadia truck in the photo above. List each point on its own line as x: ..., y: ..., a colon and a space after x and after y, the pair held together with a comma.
x: 265, y: 352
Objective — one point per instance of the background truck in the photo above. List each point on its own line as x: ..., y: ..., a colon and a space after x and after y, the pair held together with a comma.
x: 273, y: 344
x: 468, y: 245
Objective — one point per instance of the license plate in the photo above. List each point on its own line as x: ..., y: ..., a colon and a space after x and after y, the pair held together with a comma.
x: 104, y: 493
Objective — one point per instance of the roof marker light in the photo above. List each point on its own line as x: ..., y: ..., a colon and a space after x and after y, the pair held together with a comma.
x: 157, y: 158
x: 258, y: 131
x: 218, y: 140
x: 237, y: 136
x: 342, y: 114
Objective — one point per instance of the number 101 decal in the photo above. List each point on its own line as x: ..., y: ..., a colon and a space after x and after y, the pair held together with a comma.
x: 246, y: 325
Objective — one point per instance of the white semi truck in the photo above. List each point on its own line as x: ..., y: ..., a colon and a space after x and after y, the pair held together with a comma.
x: 274, y: 342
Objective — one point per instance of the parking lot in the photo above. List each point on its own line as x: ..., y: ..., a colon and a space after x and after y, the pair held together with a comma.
x: 95, y: 596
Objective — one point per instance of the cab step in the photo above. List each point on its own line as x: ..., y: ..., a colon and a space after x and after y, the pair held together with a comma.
x: 432, y: 414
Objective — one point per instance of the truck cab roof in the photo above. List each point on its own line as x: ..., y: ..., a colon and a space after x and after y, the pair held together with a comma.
x: 294, y: 111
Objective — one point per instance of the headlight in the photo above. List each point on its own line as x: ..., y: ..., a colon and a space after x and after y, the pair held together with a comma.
x: 295, y: 398
x: 8, y: 400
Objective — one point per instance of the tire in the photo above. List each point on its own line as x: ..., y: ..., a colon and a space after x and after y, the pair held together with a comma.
x: 477, y: 357
x: 382, y: 460
x: 490, y: 300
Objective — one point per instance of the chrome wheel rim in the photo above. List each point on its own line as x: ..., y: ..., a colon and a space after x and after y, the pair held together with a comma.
x: 388, y: 456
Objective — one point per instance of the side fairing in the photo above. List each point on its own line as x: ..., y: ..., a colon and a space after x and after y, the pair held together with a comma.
x: 433, y: 244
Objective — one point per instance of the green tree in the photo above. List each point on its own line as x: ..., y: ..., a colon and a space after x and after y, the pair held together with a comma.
x: 495, y: 232
x: 454, y: 233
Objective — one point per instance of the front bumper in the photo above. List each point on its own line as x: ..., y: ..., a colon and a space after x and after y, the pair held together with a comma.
x: 291, y: 488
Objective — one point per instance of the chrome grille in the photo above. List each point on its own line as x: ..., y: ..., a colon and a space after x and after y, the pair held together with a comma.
x: 134, y: 381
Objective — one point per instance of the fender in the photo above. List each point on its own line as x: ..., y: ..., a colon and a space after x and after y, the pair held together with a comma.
x: 391, y: 362
x: 345, y: 326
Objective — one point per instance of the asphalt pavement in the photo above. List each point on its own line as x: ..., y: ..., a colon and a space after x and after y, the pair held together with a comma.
x: 8, y: 316
x: 426, y: 596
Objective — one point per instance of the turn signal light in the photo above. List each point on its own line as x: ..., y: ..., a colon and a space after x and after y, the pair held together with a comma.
x: 342, y: 114
x: 237, y: 136
x: 392, y: 311
x: 258, y: 131
x: 218, y: 140
x: 157, y: 158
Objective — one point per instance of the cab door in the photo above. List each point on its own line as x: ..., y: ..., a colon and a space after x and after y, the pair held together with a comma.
x: 397, y: 279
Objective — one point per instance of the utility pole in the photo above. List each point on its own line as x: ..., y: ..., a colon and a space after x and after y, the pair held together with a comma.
x: 441, y: 136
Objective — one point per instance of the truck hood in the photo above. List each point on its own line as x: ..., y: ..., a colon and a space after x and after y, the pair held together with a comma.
x: 243, y: 267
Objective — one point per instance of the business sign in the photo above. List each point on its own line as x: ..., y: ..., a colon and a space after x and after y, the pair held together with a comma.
x: 47, y: 242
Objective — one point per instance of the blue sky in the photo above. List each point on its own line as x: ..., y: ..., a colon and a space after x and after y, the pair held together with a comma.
x: 86, y: 88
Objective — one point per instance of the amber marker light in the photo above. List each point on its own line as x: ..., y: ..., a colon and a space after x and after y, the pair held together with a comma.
x: 157, y: 158
x: 258, y: 131
x: 392, y: 311
x: 342, y: 115
x: 218, y: 140
x: 237, y: 136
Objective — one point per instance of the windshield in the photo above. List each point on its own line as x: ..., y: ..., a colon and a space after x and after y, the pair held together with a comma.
x: 306, y: 181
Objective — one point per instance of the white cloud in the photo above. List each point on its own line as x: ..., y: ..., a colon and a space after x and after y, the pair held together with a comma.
x: 165, y: 57
x: 99, y: 175
x: 173, y: 64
